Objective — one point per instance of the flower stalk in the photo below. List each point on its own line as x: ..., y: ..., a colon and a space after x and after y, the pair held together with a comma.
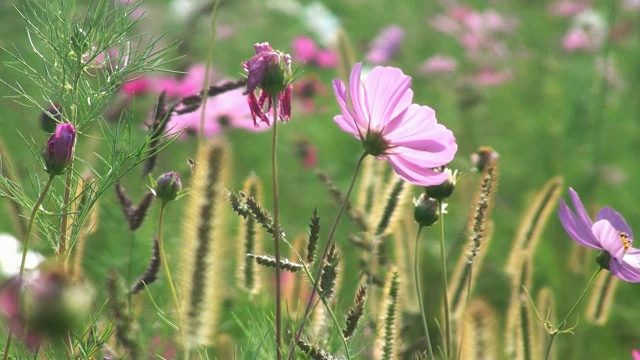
x: 25, y: 248
x: 276, y: 225
x: 416, y: 276
x: 327, y: 246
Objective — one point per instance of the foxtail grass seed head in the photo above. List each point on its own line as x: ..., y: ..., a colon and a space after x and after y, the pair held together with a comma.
x: 387, y: 337
x: 356, y: 311
x: 314, y: 236
x: 58, y: 154
x: 167, y: 186
x: 444, y: 190
x: 151, y: 274
x: 426, y: 210
x: 483, y: 157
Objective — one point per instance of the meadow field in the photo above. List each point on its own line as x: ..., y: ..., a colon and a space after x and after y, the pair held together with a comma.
x: 150, y: 219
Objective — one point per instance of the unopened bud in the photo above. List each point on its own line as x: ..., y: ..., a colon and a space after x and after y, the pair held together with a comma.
x: 58, y: 153
x: 444, y: 190
x: 426, y: 210
x: 168, y: 186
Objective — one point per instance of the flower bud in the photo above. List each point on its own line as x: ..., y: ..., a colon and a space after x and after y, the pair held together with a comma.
x: 426, y: 210
x: 444, y: 190
x: 58, y: 153
x: 168, y: 186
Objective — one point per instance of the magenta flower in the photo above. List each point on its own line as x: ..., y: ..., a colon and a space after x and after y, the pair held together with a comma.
x: 438, y: 64
x: 58, y: 153
x: 379, y: 112
x: 635, y: 354
x: 610, y: 233
x: 269, y: 70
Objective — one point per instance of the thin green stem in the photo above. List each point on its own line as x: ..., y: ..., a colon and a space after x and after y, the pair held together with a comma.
x: 25, y: 248
x: 64, y: 219
x: 325, y: 252
x: 416, y: 277
x: 276, y: 226
x: 207, y: 72
x: 445, y: 286
x: 573, y: 309
x: 167, y: 271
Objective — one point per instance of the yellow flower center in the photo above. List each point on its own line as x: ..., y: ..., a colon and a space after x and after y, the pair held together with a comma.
x: 626, y: 242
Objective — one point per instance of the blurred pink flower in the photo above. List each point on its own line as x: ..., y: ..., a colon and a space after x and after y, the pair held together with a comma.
x: 438, y: 64
x: 190, y: 84
x: 378, y: 111
x: 492, y: 77
x: 225, y: 111
x: 306, y: 90
x: 635, y: 354
x: 567, y: 8
x: 480, y: 33
x: 307, y: 153
x: 385, y: 45
x: 588, y: 32
x: 577, y: 39
x: 306, y: 50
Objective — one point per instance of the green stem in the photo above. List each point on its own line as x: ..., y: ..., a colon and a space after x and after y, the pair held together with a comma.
x: 416, y: 277
x: 276, y: 226
x: 167, y: 271
x: 64, y: 219
x: 205, y: 86
x: 326, y: 251
x: 445, y: 286
x: 25, y: 248
x: 573, y: 309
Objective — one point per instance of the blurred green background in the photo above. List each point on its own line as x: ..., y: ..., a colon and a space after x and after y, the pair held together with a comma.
x: 557, y: 115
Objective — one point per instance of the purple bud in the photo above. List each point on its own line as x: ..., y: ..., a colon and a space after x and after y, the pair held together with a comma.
x: 168, y: 186
x: 58, y: 154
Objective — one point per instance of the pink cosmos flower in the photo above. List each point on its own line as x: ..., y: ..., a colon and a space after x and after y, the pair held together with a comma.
x: 567, y: 8
x: 635, y: 354
x: 190, y: 84
x: 270, y: 70
x: 306, y: 50
x: 438, y: 64
x: 224, y: 111
x: 610, y: 233
x: 378, y: 111
x: 492, y: 77
x: 385, y: 45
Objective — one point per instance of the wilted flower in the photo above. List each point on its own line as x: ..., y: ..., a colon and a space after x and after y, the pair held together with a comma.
x: 610, y: 233
x: 269, y: 70
x: 385, y: 45
x: 58, y: 153
x: 379, y: 112
x: 167, y: 186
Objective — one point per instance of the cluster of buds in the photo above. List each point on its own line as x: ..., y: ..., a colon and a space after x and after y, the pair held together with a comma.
x: 426, y: 209
x: 270, y: 71
x: 58, y: 153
